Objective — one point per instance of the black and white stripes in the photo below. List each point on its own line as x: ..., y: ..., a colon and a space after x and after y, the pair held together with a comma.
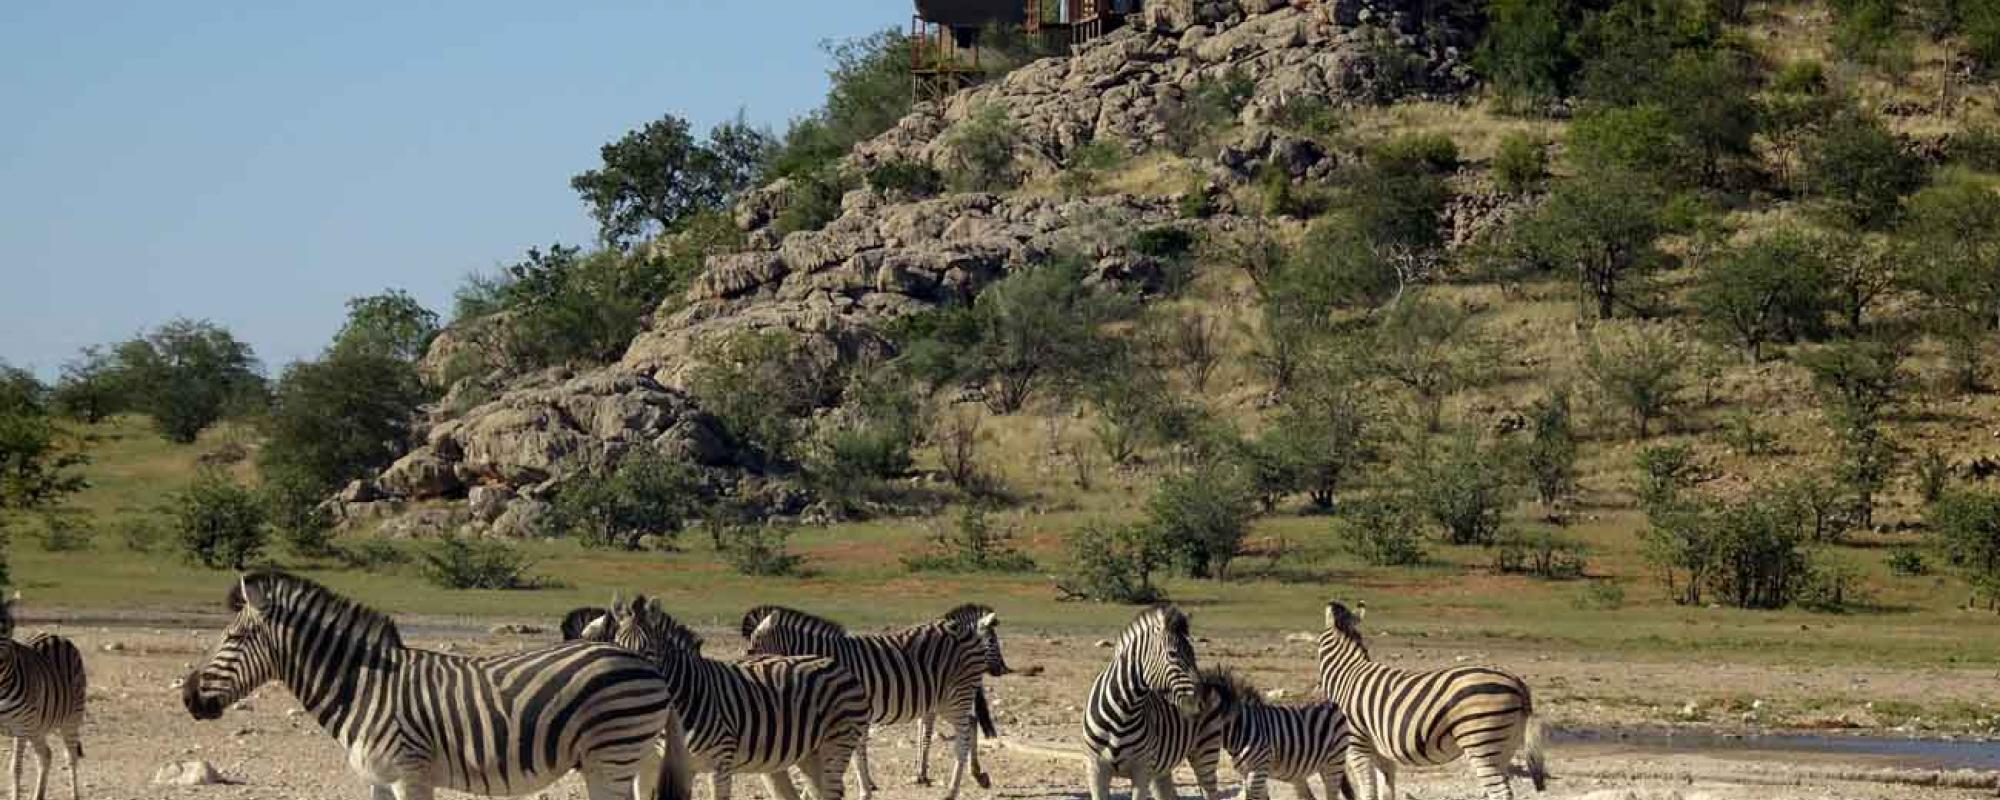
x: 42, y: 689
x: 413, y: 720
x: 1421, y: 718
x: 760, y: 716
x: 1150, y: 709
x: 1291, y: 743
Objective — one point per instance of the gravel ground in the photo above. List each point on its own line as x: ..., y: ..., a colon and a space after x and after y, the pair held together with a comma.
x: 268, y: 750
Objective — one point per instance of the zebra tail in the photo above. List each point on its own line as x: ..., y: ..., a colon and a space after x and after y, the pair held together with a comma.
x: 676, y: 778
x: 1532, y: 749
x: 984, y: 713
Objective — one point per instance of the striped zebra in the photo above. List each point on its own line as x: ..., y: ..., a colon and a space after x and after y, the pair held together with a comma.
x: 41, y: 693
x: 1291, y: 743
x: 920, y: 673
x: 760, y: 716
x: 1152, y: 709
x: 413, y: 720
x: 967, y: 615
x: 1425, y: 718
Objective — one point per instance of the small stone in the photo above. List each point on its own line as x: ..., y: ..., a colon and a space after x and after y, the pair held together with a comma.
x: 1302, y: 637
x: 242, y: 705
x: 188, y: 773
x: 114, y: 647
x: 514, y: 629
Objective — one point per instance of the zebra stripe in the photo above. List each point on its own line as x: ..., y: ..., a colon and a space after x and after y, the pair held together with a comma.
x: 760, y: 716
x: 920, y: 673
x: 1425, y: 718
x: 972, y: 616
x: 42, y: 689
x: 1291, y: 743
x: 414, y: 720
x: 1151, y: 709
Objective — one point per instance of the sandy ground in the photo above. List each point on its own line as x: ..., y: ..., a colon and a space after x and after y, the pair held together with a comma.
x: 268, y: 751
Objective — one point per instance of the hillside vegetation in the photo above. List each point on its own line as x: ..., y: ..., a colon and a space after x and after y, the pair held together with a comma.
x: 1658, y: 327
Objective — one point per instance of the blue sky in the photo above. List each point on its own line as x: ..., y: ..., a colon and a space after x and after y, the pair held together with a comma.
x: 258, y: 163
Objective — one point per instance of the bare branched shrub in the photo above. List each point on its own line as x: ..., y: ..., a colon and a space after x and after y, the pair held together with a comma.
x: 958, y: 447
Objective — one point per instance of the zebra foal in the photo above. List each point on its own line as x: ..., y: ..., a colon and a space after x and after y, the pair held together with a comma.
x: 919, y: 673
x: 761, y: 716
x: 1290, y: 743
x: 1152, y: 708
x: 413, y: 721
x: 42, y: 689
x: 1425, y: 718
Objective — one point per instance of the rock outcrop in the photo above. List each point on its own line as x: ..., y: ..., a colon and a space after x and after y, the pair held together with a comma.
x: 884, y: 258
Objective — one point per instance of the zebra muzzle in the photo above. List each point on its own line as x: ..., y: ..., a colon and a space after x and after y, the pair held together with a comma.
x: 199, y: 706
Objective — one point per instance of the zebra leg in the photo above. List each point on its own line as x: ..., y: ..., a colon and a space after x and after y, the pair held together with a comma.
x: 826, y: 773
x: 861, y: 762
x: 979, y: 775
x: 1303, y: 787
x: 1163, y: 785
x: 926, y: 727
x: 411, y: 790
x: 73, y: 751
x: 1361, y: 772
x: 1337, y: 787
x: 1099, y: 775
x: 20, y: 749
x: 1385, y: 770
x: 720, y: 784
x: 1256, y: 783
x: 381, y: 791
x: 43, y: 761
x: 780, y: 785
x: 964, y: 736
x: 1491, y: 773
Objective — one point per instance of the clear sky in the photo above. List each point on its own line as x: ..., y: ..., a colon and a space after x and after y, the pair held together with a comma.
x: 258, y: 162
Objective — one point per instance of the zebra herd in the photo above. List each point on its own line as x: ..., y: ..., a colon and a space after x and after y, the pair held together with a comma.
x: 630, y: 701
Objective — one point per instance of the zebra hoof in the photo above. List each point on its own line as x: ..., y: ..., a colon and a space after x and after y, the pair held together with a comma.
x: 982, y: 779
x: 922, y: 781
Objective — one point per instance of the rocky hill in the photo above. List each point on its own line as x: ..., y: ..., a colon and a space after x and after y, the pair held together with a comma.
x: 886, y: 256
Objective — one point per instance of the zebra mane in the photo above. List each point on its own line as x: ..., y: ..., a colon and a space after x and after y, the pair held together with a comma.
x: 285, y: 591
x: 968, y: 614
x: 659, y: 623
x: 791, y: 618
x: 1229, y: 684
x: 1166, y: 615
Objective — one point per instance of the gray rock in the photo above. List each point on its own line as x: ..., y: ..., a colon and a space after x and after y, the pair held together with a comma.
x: 187, y: 773
x: 487, y: 502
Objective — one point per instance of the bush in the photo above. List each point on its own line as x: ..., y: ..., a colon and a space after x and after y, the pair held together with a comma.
x: 974, y: 544
x: 292, y: 502
x: 143, y: 534
x: 1857, y: 171
x: 1320, y: 436
x: 1551, y: 454
x: 458, y: 563
x: 1203, y: 517
x: 1965, y: 525
x: 1600, y: 595
x: 1088, y: 165
x: 1526, y: 52
x: 982, y: 151
x: 1639, y: 372
x: 339, y: 418
x: 371, y: 555
x: 1382, y: 531
x: 1749, y: 553
x: 911, y: 178
x: 1977, y: 148
x: 188, y: 374
x: 1744, y: 431
x: 220, y: 524
x: 1416, y: 152
x: 869, y: 437
x: 1542, y: 554
x: 1833, y: 586
x: 760, y: 386
x: 1664, y: 472
x: 1212, y: 105
x: 62, y: 532
x: 568, y: 306
x: 1431, y: 349
x: 1397, y: 70
x: 760, y: 550
x: 1308, y: 115
x: 646, y: 494
x: 1037, y: 327
x: 1464, y: 487
x: 1774, y: 288
x: 1521, y: 163
x: 1908, y: 562
x: 1933, y: 475
x: 813, y: 200
x: 1115, y: 564
x: 1601, y: 225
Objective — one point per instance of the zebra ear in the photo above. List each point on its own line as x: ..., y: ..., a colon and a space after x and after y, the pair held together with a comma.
x: 1360, y: 609
x: 989, y: 621
x: 1333, y: 615
x: 617, y: 603
x: 597, y: 631
x: 252, y: 592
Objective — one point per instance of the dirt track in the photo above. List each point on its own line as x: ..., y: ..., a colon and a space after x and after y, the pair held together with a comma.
x: 268, y: 751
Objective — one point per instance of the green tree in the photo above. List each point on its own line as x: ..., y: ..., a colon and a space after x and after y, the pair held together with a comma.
x: 221, y: 524
x: 1431, y: 349
x: 1859, y: 381
x: 38, y: 458
x: 391, y: 324
x: 868, y: 91
x: 1640, y: 371
x: 1773, y: 287
x: 1951, y: 249
x: 1601, y: 226
x: 1321, y: 436
x: 983, y: 149
x: 570, y: 306
x: 1966, y: 528
x: 1116, y: 564
x: 1203, y: 515
x: 1464, y: 486
x: 91, y: 387
x: 341, y: 417
x: 1037, y: 327
x: 1550, y: 455
x: 761, y: 386
x: 658, y: 176
x: 645, y: 494
x: 1521, y: 163
x: 1526, y: 53
x: 187, y: 374
x: 1857, y: 171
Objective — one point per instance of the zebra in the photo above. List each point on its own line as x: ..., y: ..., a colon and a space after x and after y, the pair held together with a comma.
x: 1425, y: 718
x: 1291, y: 743
x: 919, y: 673
x: 1152, y: 708
x: 42, y: 688
x: 967, y: 615
x: 413, y: 720
x: 763, y: 715
x: 574, y: 622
